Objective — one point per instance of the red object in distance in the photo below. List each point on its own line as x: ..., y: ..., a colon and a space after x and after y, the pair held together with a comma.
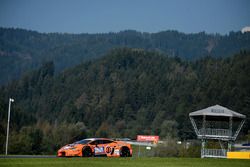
x: 147, y: 138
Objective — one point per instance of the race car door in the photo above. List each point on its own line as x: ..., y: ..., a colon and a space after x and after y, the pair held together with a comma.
x: 99, y: 148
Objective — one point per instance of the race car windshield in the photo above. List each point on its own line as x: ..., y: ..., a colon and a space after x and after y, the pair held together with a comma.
x: 82, y: 142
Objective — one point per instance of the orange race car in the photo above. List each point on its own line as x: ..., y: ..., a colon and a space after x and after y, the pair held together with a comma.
x: 96, y: 147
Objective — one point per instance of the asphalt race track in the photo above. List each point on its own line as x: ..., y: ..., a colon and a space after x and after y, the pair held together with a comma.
x: 28, y: 156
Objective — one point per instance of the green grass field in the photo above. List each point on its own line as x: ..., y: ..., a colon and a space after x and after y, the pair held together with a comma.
x: 120, y: 162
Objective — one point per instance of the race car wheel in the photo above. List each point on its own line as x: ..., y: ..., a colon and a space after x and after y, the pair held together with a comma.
x: 125, y: 152
x: 87, y: 152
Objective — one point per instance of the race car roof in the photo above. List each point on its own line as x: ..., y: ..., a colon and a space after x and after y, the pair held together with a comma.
x: 92, y: 139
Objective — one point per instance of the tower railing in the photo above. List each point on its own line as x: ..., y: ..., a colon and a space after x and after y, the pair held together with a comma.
x: 215, y: 132
x: 214, y: 153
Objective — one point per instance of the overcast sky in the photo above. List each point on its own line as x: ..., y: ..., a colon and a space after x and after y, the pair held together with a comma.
x: 97, y: 16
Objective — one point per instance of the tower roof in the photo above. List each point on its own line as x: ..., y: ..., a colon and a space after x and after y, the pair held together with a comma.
x: 217, y: 110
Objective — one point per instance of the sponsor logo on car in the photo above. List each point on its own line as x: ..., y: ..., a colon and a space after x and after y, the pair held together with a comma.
x: 99, y: 150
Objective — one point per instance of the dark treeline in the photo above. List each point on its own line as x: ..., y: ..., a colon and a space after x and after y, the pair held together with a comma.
x: 22, y: 50
x: 125, y: 93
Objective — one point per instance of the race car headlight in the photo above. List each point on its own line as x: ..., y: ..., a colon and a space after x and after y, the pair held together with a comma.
x: 66, y: 148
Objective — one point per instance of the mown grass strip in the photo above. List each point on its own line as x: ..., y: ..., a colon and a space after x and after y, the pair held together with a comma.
x: 122, y: 162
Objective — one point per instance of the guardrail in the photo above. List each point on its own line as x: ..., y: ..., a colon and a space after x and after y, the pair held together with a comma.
x: 134, y: 142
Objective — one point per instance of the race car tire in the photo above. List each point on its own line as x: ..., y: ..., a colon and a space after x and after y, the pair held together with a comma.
x: 125, y: 152
x: 87, y: 152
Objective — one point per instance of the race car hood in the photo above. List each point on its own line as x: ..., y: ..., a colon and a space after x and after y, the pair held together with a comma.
x: 70, y: 146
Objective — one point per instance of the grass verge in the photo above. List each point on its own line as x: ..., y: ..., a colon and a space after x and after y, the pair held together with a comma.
x: 126, y: 162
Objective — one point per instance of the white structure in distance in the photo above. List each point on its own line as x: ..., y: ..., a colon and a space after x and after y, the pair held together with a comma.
x: 245, y: 29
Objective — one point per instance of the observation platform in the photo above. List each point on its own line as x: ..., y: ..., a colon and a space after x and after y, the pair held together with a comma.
x: 216, y: 123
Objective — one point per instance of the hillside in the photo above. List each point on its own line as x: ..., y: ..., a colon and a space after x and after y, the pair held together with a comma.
x: 125, y: 93
x: 22, y: 50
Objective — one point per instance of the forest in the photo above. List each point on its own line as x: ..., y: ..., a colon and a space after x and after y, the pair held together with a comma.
x: 23, y: 50
x: 123, y: 93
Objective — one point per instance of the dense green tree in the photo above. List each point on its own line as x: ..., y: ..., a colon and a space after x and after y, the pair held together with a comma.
x: 126, y: 93
x: 22, y: 50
